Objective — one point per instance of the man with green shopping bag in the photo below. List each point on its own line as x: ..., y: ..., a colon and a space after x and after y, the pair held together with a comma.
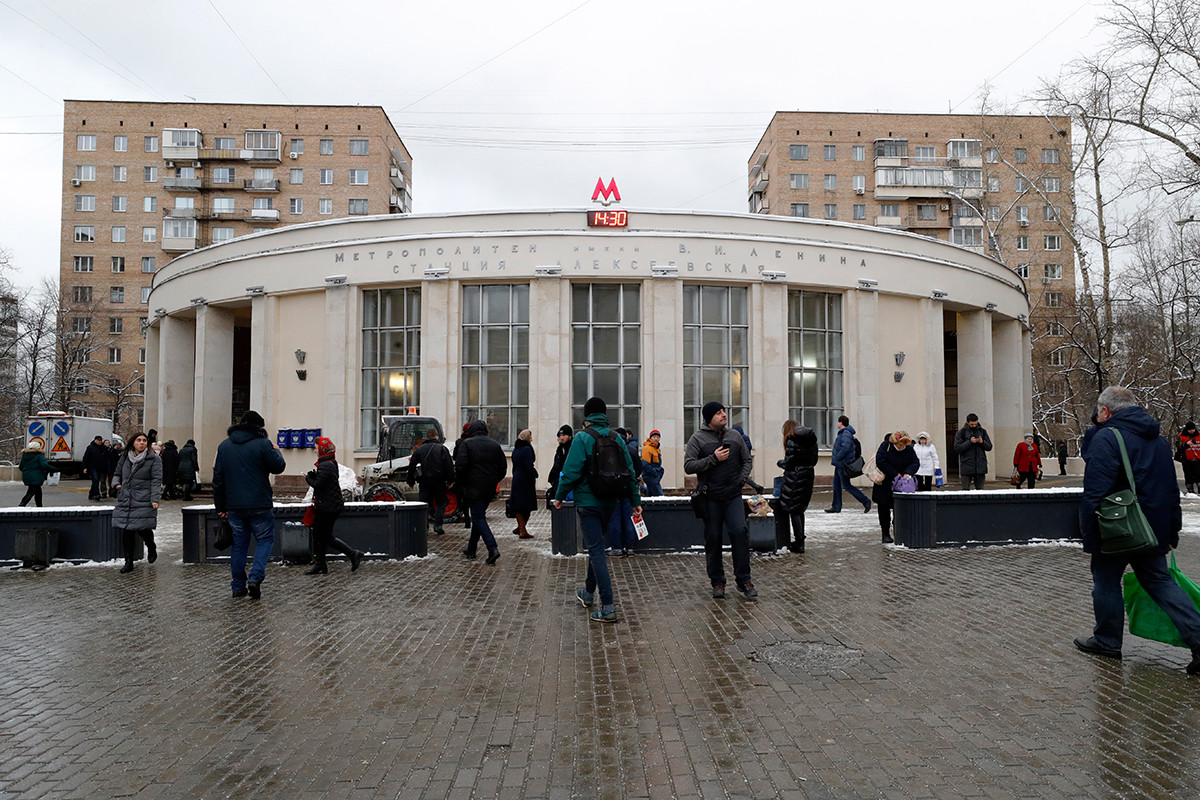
x: 1128, y: 452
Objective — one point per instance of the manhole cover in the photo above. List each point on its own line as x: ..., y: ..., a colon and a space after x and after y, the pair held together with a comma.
x: 811, y: 656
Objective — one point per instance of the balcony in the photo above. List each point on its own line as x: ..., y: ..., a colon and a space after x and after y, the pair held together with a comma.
x: 178, y: 244
x: 179, y: 213
x: 397, y: 177
x: 966, y: 222
x: 760, y: 184
x: 400, y: 203
x: 889, y: 222
x: 176, y: 153
x: 261, y: 185
x: 182, y: 184
x: 913, y: 221
x: 213, y: 154
x: 263, y: 215
x: 274, y: 154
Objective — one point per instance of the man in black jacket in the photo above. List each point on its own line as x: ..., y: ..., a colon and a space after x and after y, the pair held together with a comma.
x: 95, y: 466
x: 1158, y: 495
x: 972, y: 444
x: 432, y: 467
x: 479, y: 464
x: 242, y: 494
x: 721, y: 462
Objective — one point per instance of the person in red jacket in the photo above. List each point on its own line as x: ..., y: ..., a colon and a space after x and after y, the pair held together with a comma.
x: 1188, y: 454
x: 1027, y: 461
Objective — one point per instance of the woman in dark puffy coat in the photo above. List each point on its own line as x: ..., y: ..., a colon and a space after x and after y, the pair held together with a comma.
x: 189, y: 467
x: 799, y: 458
x: 137, y: 481
x: 523, y: 501
x: 327, y: 506
x: 894, y: 458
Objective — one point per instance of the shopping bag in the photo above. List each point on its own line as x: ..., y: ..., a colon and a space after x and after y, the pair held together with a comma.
x: 52, y: 479
x: 1146, y: 617
x: 310, y: 517
x: 938, y: 480
x: 639, y: 527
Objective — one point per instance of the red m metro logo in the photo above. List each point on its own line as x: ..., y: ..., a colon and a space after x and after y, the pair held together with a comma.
x: 606, y: 194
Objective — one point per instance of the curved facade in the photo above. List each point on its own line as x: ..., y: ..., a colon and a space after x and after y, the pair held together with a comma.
x: 518, y: 317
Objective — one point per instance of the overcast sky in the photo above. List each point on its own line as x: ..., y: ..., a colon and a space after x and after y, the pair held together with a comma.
x: 517, y: 105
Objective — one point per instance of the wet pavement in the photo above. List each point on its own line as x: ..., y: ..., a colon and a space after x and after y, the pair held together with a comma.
x: 862, y: 671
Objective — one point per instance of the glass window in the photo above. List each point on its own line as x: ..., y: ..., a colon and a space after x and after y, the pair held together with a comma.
x: 85, y: 141
x: 606, y: 354
x: 149, y: 174
x: 296, y: 205
x: 85, y: 172
x: 831, y: 211
x: 858, y: 152
x: 926, y: 212
x: 83, y: 263
x: 120, y: 174
x: 145, y: 294
x: 860, y: 210
x: 148, y: 264
x: 1049, y: 155
x: 1053, y: 272
x: 799, y: 209
x: 118, y: 264
x: 891, y: 148
x: 223, y: 174
x: 296, y: 146
x: 993, y: 213
x: 325, y: 177
x: 262, y: 140
x: 179, y: 228
x: 798, y: 152
x: 1020, y: 156
x: 1052, y: 242
x: 327, y: 147
x: 296, y: 176
x: 358, y: 177
x: 325, y: 205
x: 361, y: 147
x: 391, y: 357
x: 992, y: 156
x: 967, y: 237
x: 1023, y: 271
x: 222, y: 205
x: 830, y: 182
x: 716, y: 352
x: 120, y: 144
x: 831, y: 152
x: 114, y: 355
x: 116, y: 325
x: 815, y: 366
x: 118, y: 233
x: 1023, y: 214
x: 85, y: 202
x: 1049, y: 213
x: 85, y: 233
x: 83, y: 294
x: 119, y: 203
x: 1020, y: 184
x: 964, y: 148
x: 858, y: 183
x: 1050, y: 184
x: 889, y: 209
x: 81, y: 324
x: 151, y: 144
x: 993, y: 184
x: 925, y: 152
x: 149, y: 203
x: 1022, y: 242
x: 495, y: 358
x: 358, y: 207
x: 799, y: 180
x: 221, y: 235
x: 225, y: 143
x: 149, y: 234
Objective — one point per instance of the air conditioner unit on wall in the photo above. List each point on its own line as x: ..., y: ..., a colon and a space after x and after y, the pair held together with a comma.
x: 860, y: 191
x: 1024, y: 223
x: 170, y: 163
x: 293, y: 155
x: 944, y: 207
x: 75, y: 181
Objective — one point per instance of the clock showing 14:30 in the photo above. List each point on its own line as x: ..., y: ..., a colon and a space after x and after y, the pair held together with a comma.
x: 607, y: 219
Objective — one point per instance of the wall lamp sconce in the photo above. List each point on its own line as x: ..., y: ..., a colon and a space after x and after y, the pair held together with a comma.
x: 199, y: 301
x: 773, y: 275
x: 255, y: 291
x: 302, y: 374
x: 938, y: 294
x: 868, y: 284
x: 300, y: 356
x: 664, y: 270
x: 437, y: 272
x: 336, y: 280
x: 1021, y: 318
x: 898, y: 376
x: 160, y: 312
x: 548, y: 270
x: 899, y: 358
x: 990, y: 307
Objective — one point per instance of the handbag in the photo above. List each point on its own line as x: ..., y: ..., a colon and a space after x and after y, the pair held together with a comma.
x: 905, y: 484
x: 310, y: 517
x: 224, y: 538
x: 938, y: 480
x: 1146, y: 617
x: 855, y: 467
x: 1015, y: 480
x: 873, y: 472
x: 1123, y: 527
x: 699, y: 507
x: 508, y: 509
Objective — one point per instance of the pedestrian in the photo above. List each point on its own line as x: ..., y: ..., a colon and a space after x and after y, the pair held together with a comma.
x: 189, y: 467
x: 652, y: 468
x: 35, y: 468
x: 479, y: 465
x: 462, y: 501
x: 112, y: 456
x: 595, y: 500
x: 972, y: 444
x: 894, y: 458
x: 522, y: 500
x: 1062, y: 457
x: 138, y: 484
x: 1027, y: 461
x: 432, y: 467
x: 242, y: 494
x: 622, y: 536
x: 152, y: 435
x: 170, y: 459
x: 1149, y: 458
x: 721, y: 463
x: 927, y: 455
x: 95, y: 464
x: 107, y: 466
x: 749, y: 445
x: 845, y: 449
x: 799, y: 459
x: 1188, y: 454
x: 560, y: 457
x: 327, y: 506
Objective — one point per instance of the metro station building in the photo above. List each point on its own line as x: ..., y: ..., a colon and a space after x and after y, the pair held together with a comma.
x: 518, y: 317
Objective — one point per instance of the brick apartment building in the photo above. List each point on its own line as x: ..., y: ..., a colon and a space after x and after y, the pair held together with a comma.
x: 999, y: 185
x: 146, y: 182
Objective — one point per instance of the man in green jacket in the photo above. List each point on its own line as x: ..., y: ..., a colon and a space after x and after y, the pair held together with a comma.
x: 594, y: 512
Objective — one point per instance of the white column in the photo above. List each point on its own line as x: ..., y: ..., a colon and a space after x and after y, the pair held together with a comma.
x: 263, y: 367
x: 176, y: 377
x: 975, y: 372
x: 662, y: 373
x: 213, y: 383
x: 1010, y: 379
x: 935, y: 375
x: 150, y: 400
x: 441, y: 334
x: 861, y: 350
x: 549, y: 388
x: 342, y: 355
x: 768, y: 376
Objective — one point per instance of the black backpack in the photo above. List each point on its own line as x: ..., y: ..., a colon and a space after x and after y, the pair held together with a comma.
x: 608, y: 470
x: 857, y: 448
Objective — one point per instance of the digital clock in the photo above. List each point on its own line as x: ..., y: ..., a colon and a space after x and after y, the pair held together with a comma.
x: 607, y: 219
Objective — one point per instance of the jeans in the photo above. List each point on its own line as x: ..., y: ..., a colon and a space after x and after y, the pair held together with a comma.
x: 479, y: 526
x: 94, y: 492
x: 731, y: 515
x: 1151, y: 570
x: 259, y: 523
x: 975, y: 479
x: 652, y: 476
x: 840, y: 479
x: 621, y: 533
x: 593, y: 522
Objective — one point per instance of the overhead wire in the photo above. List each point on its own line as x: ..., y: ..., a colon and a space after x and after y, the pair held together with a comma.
x: 248, y: 50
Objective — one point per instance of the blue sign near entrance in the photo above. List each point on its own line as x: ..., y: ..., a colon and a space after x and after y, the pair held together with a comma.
x: 37, y: 428
x: 62, y: 428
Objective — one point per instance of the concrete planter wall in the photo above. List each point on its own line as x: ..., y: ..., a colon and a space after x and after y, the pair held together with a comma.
x: 391, y: 530
x: 1005, y: 516
x: 84, y: 533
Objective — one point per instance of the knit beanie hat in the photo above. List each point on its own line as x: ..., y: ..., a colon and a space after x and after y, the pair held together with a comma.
x: 565, y: 430
x: 594, y: 405
x: 655, y: 433
x: 253, y: 418
x: 35, y: 445
x: 710, y: 410
x: 325, y: 447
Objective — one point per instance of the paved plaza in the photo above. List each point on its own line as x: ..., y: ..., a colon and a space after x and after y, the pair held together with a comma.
x: 862, y: 671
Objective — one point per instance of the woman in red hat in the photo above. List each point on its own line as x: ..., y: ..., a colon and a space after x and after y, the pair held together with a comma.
x: 327, y: 505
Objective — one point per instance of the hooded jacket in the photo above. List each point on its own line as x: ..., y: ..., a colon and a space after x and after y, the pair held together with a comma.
x: 327, y: 488
x: 479, y: 463
x: 800, y: 456
x: 244, y: 460
x: 140, y: 486
x: 1153, y: 473
x: 189, y: 462
x: 523, y: 495
x: 843, y: 447
x: 574, y: 473
x: 35, y: 467
x: 927, y: 454
x: 721, y: 480
x: 651, y: 453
